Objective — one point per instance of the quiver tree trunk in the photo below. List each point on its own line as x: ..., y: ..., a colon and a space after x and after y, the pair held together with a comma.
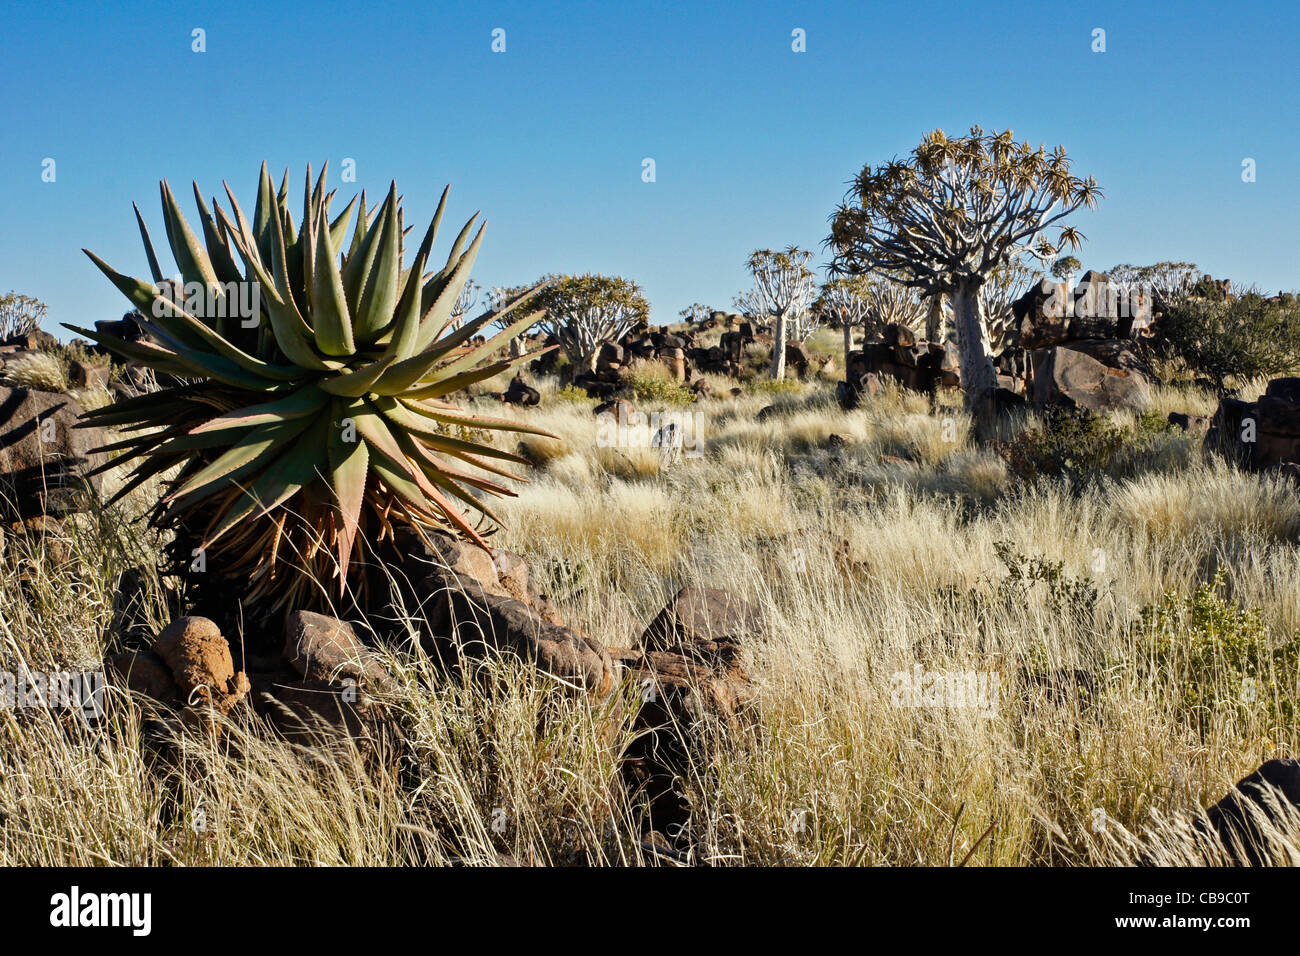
x: 974, y: 357
x: 778, y: 348
x: 934, y: 321
x: 848, y: 347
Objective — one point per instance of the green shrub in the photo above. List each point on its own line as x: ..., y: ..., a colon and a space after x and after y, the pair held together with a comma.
x: 775, y: 387
x: 1241, y: 336
x: 1217, y: 654
x: 573, y: 395
x: 654, y: 390
x: 1077, y: 446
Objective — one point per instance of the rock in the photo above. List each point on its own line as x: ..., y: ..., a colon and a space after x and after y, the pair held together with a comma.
x: 1285, y: 389
x: 515, y: 579
x: 521, y: 393
x: 470, y: 619
x: 1196, y: 425
x: 43, y: 457
x: 1233, y: 422
x: 675, y: 360
x: 798, y: 357
x: 1113, y: 353
x: 702, y: 618
x: 323, y: 648
x: 87, y: 375
x: 899, y: 336
x: 200, y: 662
x: 37, y: 340
x: 1262, y: 797
x: 463, y: 558
x: 143, y: 672
x: 766, y: 412
x: 610, y: 354
x: 692, y: 687
x: 839, y: 440
x: 701, y: 388
x: 1064, y: 377
x: 621, y: 409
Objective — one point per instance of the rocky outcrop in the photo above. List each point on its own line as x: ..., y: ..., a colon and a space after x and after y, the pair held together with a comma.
x: 1065, y: 377
x: 1268, y: 799
x: 44, y: 457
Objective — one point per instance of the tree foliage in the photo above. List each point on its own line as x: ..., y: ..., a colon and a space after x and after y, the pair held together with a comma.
x: 583, y: 312
x: 1241, y: 336
x: 957, y: 209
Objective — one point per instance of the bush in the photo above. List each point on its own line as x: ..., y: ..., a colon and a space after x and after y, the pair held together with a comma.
x: 1241, y: 336
x: 1077, y: 446
x: 1217, y: 654
x: 655, y: 390
x: 573, y: 395
x: 774, y: 387
x: 39, y: 370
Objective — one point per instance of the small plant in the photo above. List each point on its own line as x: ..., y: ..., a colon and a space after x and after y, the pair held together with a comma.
x: 652, y: 390
x: 573, y: 395
x: 1077, y: 446
x: 775, y: 387
x: 1217, y: 654
x: 42, y: 371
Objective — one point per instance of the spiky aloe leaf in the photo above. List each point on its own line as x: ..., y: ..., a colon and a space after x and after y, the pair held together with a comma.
x: 319, y: 421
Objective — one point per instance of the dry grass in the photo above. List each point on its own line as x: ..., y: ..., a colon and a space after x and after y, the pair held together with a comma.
x: 868, y: 559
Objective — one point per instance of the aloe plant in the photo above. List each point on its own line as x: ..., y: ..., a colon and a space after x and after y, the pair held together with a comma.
x: 296, y: 434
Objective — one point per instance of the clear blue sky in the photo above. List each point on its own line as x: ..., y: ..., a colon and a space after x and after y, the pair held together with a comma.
x: 753, y: 143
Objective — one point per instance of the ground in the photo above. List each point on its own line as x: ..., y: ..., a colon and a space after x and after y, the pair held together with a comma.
x: 900, y: 551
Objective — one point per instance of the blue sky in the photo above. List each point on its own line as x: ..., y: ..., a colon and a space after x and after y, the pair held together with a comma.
x: 752, y: 142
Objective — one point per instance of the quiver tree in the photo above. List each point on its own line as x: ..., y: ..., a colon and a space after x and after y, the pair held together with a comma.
x: 20, y: 314
x: 499, y: 298
x: 1005, y: 285
x: 1168, y: 282
x: 696, y: 313
x: 869, y: 302
x: 464, y: 302
x: 1065, y: 267
x: 585, y: 312
x: 784, y: 289
x: 949, y: 215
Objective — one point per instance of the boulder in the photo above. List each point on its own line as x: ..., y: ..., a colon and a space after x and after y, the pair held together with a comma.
x: 701, y: 615
x: 468, y: 620
x: 675, y: 360
x: 143, y: 672
x: 693, y: 689
x: 323, y: 648
x: 899, y: 336
x: 520, y: 392
x: 1064, y: 377
x: 1265, y: 798
x: 1195, y: 425
x: 798, y: 358
x: 200, y: 662
x: 89, y: 375
x: 44, y: 458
